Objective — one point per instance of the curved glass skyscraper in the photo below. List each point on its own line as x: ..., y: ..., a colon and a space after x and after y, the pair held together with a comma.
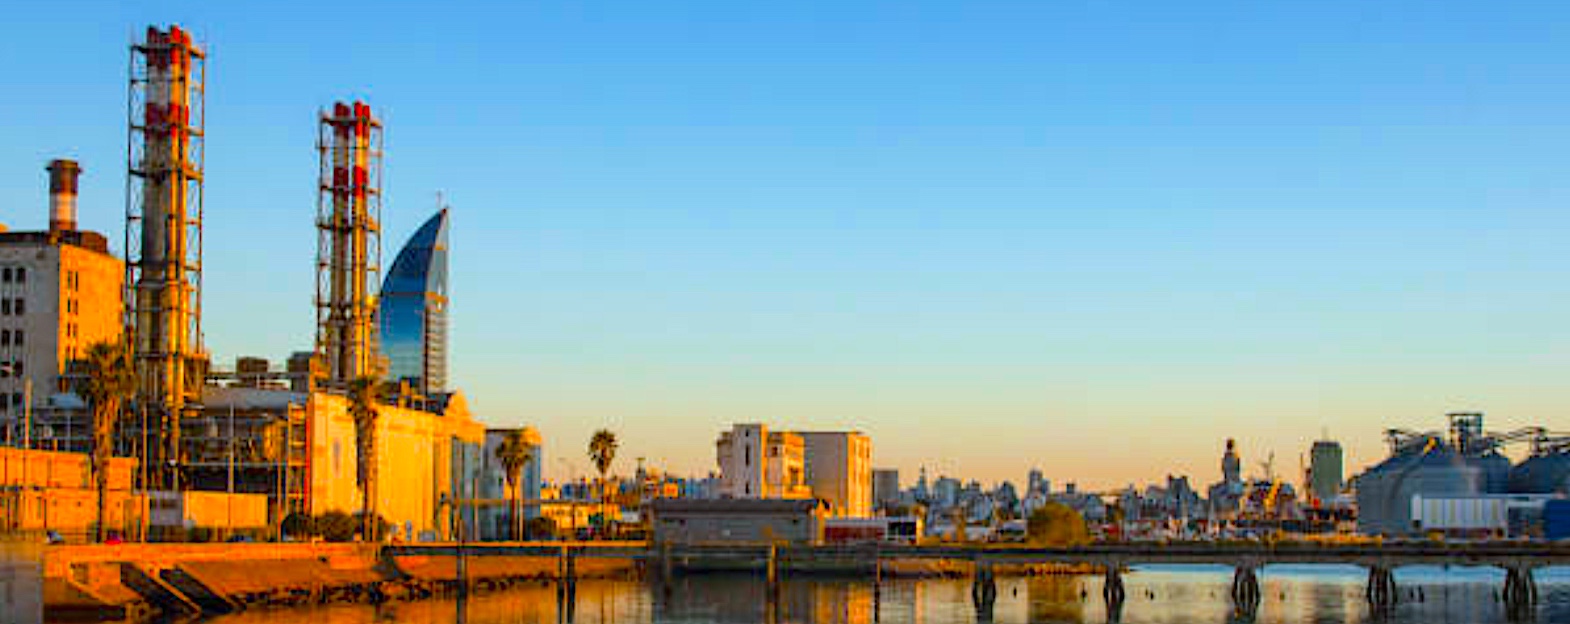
x: 413, y: 310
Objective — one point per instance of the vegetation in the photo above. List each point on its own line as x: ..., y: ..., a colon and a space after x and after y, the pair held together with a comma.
x: 363, y: 396
x: 105, y: 380
x: 602, y: 451
x: 1056, y: 524
x: 515, y: 453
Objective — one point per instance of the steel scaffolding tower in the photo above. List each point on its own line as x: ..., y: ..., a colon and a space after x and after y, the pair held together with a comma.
x: 163, y: 240
x: 348, y: 244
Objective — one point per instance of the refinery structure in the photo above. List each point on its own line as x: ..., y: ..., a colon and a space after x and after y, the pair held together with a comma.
x: 163, y: 241
x: 261, y: 443
x: 1460, y: 481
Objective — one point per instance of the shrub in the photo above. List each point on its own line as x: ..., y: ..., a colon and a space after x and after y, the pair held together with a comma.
x: 1056, y: 524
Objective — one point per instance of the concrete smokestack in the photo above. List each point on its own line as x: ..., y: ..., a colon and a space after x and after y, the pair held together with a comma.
x: 62, y: 195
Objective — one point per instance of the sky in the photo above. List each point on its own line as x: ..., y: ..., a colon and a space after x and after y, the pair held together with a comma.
x: 1097, y: 238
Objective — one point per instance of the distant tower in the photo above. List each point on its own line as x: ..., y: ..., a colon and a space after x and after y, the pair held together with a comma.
x: 163, y: 239
x: 348, y: 244
x: 412, y: 310
x: 1231, y: 465
x: 1325, y: 469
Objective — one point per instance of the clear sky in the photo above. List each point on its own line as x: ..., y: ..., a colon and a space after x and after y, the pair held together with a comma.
x: 1094, y: 237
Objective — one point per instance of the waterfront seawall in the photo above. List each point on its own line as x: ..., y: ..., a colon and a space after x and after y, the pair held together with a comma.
x: 129, y: 581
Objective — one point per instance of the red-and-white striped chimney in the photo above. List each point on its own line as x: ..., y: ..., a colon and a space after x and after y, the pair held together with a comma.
x: 62, y: 194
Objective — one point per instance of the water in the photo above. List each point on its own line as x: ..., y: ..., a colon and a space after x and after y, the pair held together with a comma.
x: 1156, y: 595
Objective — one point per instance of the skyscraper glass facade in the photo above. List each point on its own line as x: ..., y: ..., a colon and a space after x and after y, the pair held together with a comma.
x: 412, y: 312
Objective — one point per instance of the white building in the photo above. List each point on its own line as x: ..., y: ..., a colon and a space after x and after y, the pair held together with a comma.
x: 839, y: 470
x: 757, y: 463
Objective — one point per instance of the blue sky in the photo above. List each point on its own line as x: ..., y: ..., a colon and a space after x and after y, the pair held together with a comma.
x: 1092, y: 237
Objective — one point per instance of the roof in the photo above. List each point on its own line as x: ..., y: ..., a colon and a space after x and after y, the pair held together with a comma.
x: 735, y: 505
x: 421, y: 266
x: 85, y: 239
x: 250, y: 398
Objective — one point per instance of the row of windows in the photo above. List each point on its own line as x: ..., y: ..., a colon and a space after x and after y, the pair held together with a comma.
x: 11, y: 337
x: 10, y: 307
x: 17, y: 275
x: 70, y: 306
x: 11, y: 369
x: 73, y: 280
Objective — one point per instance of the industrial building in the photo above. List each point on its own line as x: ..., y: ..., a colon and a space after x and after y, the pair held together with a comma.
x: 262, y: 440
x: 59, y: 292
x: 1464, y: 463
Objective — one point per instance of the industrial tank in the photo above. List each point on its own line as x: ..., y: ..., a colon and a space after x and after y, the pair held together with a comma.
x: 1495, y: 469
x: 1384, y: 492
x: 1542, y: 474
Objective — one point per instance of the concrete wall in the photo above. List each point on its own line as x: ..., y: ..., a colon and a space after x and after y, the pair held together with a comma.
x: 46, y: 490
x: 215, y: 510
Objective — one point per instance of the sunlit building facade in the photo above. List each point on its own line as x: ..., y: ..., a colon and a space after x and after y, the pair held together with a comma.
x: 412, y: 312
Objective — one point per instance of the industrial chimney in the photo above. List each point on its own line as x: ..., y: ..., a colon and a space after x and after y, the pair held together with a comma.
x: 62, y: 195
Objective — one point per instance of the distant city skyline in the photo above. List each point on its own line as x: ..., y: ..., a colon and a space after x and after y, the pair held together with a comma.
x: 1093, y: 239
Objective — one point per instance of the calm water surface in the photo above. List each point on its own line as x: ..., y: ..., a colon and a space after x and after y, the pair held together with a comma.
x: 1160, y: 594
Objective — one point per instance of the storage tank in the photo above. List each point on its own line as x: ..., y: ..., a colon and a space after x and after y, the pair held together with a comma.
x: 1384, y: 492
x: 1542, y: 474
x: 1495, y: 470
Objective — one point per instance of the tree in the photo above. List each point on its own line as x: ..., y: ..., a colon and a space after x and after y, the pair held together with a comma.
x: 364, y: 393
x: 105, y: 380
x: 602, y: 451
x: 1056, y: 524
x: 514, y: 453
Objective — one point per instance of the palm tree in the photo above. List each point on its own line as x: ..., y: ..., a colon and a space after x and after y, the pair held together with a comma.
x: 105, y: 380
x: 364, y: 393
x: 514, y: 453
x: 602, y: 451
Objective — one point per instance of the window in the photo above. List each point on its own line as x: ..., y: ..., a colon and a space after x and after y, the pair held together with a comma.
x: 16, y: 337
x: 5, y: 307
x: 21, y: 275
x: 5, y: 337
x: 746, y: 456
x: 19, y: 307
x: 5, y: 276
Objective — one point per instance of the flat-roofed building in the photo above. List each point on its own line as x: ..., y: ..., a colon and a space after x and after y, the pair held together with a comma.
x: 60, y: 291
x: 758, y: 463
x: 839, y: 471
x: 681, y: 521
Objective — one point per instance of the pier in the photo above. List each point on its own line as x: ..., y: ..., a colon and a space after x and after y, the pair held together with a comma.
x: 1517, y: 559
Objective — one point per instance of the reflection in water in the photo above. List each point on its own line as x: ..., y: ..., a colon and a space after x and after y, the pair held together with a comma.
x: 1169, y: 595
